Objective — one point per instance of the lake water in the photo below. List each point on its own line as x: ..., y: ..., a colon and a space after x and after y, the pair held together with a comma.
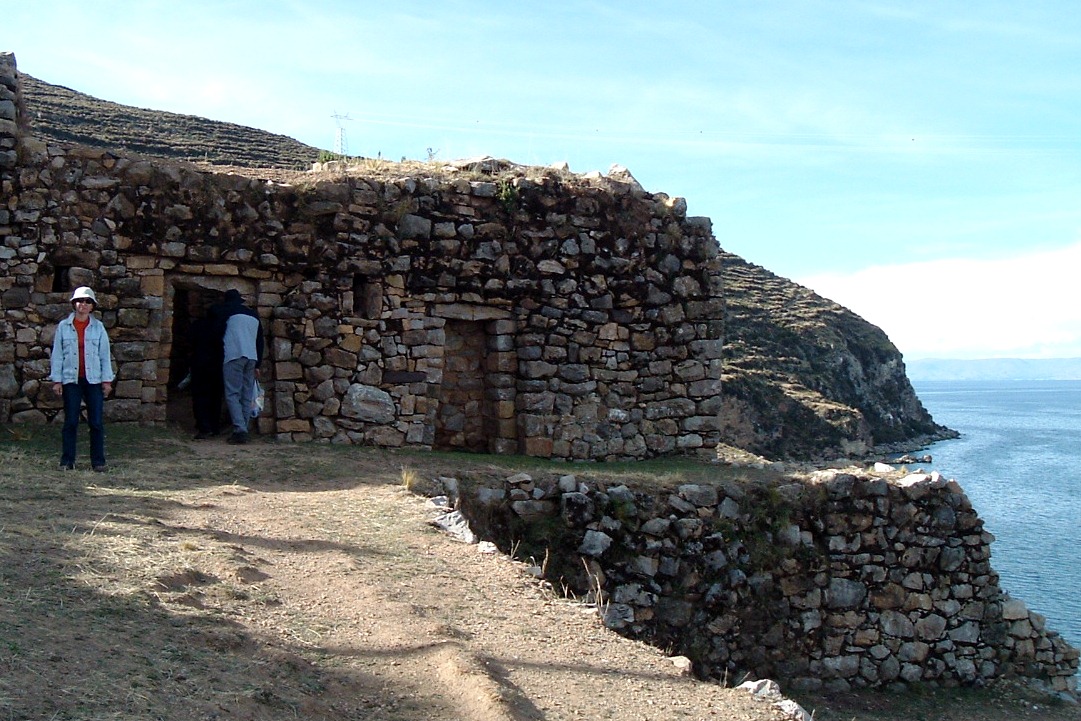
x: 1019, y: 461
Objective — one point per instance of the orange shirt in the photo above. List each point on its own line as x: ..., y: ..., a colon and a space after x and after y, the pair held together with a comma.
x: 80, y: 328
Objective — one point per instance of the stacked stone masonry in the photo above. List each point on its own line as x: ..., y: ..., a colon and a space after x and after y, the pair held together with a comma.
x: 590, y: 312
x: 835, y: 581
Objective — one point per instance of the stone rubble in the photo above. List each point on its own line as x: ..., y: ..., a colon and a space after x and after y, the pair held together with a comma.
x: 768, y: 690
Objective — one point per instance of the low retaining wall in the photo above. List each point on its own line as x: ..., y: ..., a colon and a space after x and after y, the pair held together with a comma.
x: 831, y: 581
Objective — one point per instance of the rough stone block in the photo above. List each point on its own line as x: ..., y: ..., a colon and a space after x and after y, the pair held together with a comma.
x: 539, y: 447
x: 288, y: 371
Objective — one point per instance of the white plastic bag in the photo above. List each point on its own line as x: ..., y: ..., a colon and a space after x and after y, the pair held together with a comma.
x: 257, y: 400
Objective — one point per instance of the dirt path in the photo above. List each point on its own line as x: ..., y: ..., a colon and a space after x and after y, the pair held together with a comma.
x: 417, y: 625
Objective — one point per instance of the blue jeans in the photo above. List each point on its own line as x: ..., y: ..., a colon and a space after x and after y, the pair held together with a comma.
x: 74, y: 396
x: 239, y: 377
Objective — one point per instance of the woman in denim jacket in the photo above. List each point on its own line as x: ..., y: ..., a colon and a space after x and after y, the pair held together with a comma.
x: 82, y: 370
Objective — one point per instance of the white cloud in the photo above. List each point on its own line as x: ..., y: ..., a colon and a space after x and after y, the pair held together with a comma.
x: 1027, y: 305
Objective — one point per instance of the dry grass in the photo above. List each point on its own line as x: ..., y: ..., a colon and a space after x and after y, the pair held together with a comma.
x: 482, y: 169
x: 410, y: 479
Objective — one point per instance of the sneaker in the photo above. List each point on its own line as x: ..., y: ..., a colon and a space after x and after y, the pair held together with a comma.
x: 67, y: 466
x: 238, y: 439
x: 100, y: 469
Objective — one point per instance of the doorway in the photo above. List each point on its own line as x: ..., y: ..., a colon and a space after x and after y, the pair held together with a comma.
x: 464, y: 412
x: 190, y: 300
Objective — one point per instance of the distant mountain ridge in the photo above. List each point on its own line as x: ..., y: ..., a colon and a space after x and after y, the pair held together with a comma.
x: 803, y: 376
x: 995, y: 369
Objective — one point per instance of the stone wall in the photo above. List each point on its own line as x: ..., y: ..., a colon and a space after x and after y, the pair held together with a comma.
x: 592, y: 309
x: 831, y: 581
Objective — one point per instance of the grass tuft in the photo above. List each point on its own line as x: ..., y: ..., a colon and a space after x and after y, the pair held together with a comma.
x: 410, y: 479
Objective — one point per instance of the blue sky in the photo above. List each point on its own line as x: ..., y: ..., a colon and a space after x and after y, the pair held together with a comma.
x: 918, y: 162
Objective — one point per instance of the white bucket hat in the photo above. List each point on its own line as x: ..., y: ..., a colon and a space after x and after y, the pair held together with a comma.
x: 84, y: 292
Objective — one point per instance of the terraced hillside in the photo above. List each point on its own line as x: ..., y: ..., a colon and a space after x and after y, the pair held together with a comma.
x: 65, y: 115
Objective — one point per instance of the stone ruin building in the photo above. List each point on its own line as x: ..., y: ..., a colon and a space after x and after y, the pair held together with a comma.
x: 538, y: 312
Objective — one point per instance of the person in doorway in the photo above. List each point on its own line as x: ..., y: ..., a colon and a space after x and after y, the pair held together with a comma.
x: 242, y: 345
x: 81, y: 370
x: 206, y: 377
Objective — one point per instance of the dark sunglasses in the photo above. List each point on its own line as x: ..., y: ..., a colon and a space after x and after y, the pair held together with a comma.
x: 83, y: 300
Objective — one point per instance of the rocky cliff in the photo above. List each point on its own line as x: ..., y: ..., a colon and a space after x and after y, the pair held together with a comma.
x: 806, y: 377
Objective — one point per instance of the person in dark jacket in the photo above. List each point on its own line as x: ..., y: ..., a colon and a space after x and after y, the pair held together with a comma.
x: 242, y: 352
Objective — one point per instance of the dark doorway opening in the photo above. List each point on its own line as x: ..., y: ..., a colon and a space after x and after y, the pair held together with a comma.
x: 464, y: 413
x: 190, y: 302
x: 62, y: 279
